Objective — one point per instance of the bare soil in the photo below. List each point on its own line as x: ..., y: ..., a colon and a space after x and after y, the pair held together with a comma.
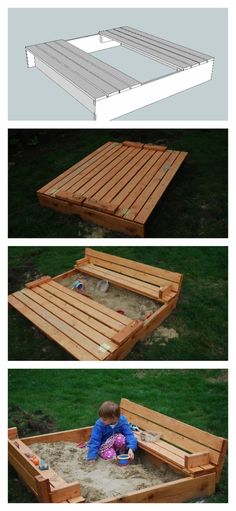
x: 102, y: 479
x: 134, y: 306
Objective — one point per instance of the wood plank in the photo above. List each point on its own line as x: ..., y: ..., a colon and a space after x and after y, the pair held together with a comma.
x: 70, y: 491
x: 89, y: 176
x: 100, y: 205
x: 121, y: 281
x: 129, y: 172
x: 38, y: 282
x: 66, y: 173
x: 96, y: 217
x: 127, y: 332
x: 175, y: 491
x: 108, y: 182
x: 66, y: 274
x: 159, y: 171
x: 120, y: 319
x: 43, y: 489
x: 173, y: 46
x: 64, y: 67
x: 27, y: 478
x: 79, y: 169
x: 51, y: 331
x: 109, y: 324
x: 222, y: 459
x: 61, y: 300
x: 70, y: 198
x: 149, y: 49
x: 164, y: 291
x: 129, y: 272
x: 166, y: 48
x: 129, y: 263
x: 80, y: 332
x: 85, y: 68
x: 12, y: 433
x: 119, y: 79
x: 196, y: 459
x: 133, y: 144
x: 173, y: 57
x: 156, y: 195
x: 69, y: 315
x: 165, y: 454
x: 138, y: 183
x: 103, y: 175
x: 155, y: 147
x: 70, y: 435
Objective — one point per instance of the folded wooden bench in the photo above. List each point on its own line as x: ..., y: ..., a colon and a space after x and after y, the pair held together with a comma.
x: 89, y: 330
x: 117, y: 186
x: 194, y: 453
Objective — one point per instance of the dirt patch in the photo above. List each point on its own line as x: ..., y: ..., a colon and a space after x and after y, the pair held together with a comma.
x: 30, y: 423
x: 222, y: 378
x: 89, y: 230
x: 17, y: 277
x: 162, y: 335
x: 102, y: 479
x: 134, y: 306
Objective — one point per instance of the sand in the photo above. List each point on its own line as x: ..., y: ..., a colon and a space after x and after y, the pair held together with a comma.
x: 103, y: 479
x: 134, y: 306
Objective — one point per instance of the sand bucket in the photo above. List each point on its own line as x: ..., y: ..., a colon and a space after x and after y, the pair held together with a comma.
x: 123, y: 460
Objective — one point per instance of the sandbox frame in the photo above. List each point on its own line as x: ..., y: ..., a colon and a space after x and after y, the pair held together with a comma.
x: 84, y: 328
x: 117, y: 186
x: 201, y: 470
x: 63, y: 61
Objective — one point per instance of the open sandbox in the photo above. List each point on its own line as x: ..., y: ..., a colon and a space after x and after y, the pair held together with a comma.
x: 101, y: 307
x: 133, y: 305
x: 102, y: 479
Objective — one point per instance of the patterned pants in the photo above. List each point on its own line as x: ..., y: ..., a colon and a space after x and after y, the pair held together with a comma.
x: 113, y: 444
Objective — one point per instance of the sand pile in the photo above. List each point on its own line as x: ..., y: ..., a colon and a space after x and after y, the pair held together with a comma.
x: 102, y: 479
x: 134, y: 306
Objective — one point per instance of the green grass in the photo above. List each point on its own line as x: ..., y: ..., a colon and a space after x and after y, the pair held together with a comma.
x: 72, y: 398
x: 195, y: 204
x: 200, y: 318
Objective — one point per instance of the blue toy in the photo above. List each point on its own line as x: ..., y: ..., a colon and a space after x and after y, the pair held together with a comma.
x: 78, y: 285
x: 123, y: 460
x: 43, y: 465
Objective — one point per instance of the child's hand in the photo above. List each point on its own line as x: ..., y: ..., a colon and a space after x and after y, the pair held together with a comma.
x: 91, y: 461
x: 131, y: 454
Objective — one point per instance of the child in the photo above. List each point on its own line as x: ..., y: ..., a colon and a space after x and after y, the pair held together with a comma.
x: 111, y: 434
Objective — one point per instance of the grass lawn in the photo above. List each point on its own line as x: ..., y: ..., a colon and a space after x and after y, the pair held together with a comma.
x: 70, y: 399
x: 200, y: 319
x: 195, y: 204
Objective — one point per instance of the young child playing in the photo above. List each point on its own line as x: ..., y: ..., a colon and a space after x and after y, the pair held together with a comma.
x: 111, y: 434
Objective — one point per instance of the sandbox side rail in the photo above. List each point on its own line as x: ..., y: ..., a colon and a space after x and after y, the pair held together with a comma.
x: 49, y: 487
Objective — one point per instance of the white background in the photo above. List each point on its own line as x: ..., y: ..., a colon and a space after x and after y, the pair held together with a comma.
x: 4, y: 125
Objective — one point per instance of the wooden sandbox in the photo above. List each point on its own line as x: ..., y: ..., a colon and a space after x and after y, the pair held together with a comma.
x: 87, y: 329
x: 117, y: 186
x: 195, y: 454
